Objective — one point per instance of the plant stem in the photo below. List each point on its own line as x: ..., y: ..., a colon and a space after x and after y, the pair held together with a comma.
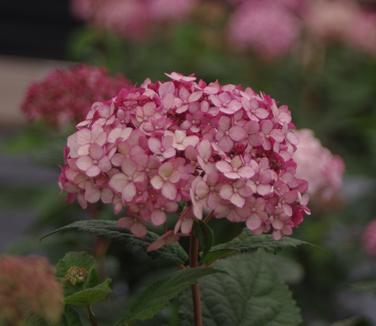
x: 91, y: 315
x: 196, y: 296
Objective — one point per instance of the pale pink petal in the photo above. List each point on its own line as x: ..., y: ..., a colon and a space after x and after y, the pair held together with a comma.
x: 223, y: 166
x: 262, y: 113
x: 204, y: 149
x: 118, y: 182
x: 158, y: 217
x: 232, y: 175
x: 226, y: 144
x: 224, y: 123
x: 237, y: 200
x: 195, y: 96
x: 169, y: 191
x: 170, y: 152
x: 166, y: 169
x: 83, y: 136
x: 96, y: 151
x: 84, y: 163
x: 92, y: 195
x: 246, y: 172
x: 264, y: 189
x: 107, y: 196
x: 237, y: 133
x: 154, y: 145
x: 201, y: 189
x: 186, y: 226
x: 191, y: 141
x: 129, y: 192
x: 198, y: 209
x: 156, y: 182
x: 226, y: 191
x: 253, y: 222
x: 93, y: 171
x: 105, y: 164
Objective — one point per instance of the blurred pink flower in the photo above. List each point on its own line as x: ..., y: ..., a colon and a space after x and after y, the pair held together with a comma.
x: 239, y: 150
x: 131, y: 18
x: 267, y: 27
x: 369, y: 238
x: 342, y: 20
x: 317, y: 165
x: 330, y: 19
x: 28, y: 286
x: 170, y: 9
x: 65, y: 96
x: 362, y: 34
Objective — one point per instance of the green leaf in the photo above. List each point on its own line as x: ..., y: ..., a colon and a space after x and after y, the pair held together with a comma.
x: 251, y: 293
x: 71, y: 317
x: 246, y: 241
x: 90, y: 295
x: 109, y: 229
x: 153, y: 298
x: 205, y: 235
x: 214, y: 255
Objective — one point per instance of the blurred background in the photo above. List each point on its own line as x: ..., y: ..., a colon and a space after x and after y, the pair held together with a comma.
x: 316, y: 56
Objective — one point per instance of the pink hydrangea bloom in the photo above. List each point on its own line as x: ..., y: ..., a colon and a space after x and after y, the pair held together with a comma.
x: 342, y: 20
x: 131, y: 18
x: 317, y: 165
x: 330, y: 19
x: 28, y: 286
x: 234, y: 162
x: 65, y: 96
x: 170, y: 9
x: 267, y: 27
x: 362, y: 34
x: 369, y: 238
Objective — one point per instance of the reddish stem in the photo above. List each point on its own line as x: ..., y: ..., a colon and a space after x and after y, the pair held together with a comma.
x: 196, y: 296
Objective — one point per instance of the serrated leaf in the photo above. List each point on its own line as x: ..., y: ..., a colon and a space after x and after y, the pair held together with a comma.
x: 90, y: 295
x: 251, y: 293
x: 205, y: 236
x: 109, y: 229
x: 153, y: 298
x: 246, y: 241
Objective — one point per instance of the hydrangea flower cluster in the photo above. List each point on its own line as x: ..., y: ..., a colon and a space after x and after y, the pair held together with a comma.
x: 226, y: 152
x: 343, y: 20
x: 28, y: 286
x: 65, y: 96
x: 271, y: 28
x: 369, y: 238
x: 317, y: 165
x: 131, y: 18
x: 268, y: 27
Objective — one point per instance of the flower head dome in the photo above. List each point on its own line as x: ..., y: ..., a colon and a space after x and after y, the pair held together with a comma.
x: 223, y: 150
x: 28, y: 286
x: 317, y: 165
x: 65, y: 96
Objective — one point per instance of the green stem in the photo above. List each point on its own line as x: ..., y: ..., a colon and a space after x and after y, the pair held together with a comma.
x: 196, y: 296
